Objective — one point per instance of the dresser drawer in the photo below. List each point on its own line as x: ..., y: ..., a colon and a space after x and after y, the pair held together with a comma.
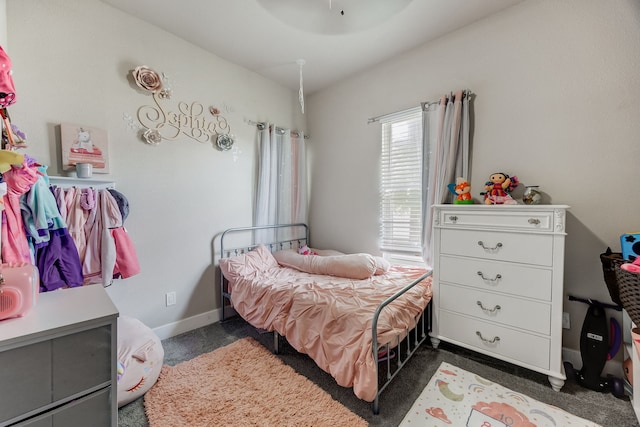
x: 92, y: 410
x: 525, y: 314
x: 54, y: 371
x: 508, y: 278
x: 507, y: 343
x: 25, y: 380
x: 534, y: 249
x: 59, y: 361
x: 505, y: 219
x: 81, y: 361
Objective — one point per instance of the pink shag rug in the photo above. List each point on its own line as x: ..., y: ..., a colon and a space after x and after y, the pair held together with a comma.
x: 241, y: 384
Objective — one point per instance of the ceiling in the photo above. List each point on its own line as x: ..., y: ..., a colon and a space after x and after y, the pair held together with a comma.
x: 333, y: 38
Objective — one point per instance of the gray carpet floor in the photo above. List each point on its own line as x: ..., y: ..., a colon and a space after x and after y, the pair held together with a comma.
x: 396, y: 400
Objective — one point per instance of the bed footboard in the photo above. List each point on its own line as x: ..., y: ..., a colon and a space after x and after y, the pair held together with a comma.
x: 405, y: 348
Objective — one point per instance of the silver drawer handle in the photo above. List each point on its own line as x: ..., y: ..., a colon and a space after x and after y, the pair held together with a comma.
x: 453, y: 218
x: 498, y: 277
x: 534, y: 221
x: 493, y: 341
x: 488, y: 310
x: 497, y: 246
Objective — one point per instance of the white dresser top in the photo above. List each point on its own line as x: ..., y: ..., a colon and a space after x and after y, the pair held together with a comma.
x: 505, y: 207
x: 58, y: 312
x: 517, y: 218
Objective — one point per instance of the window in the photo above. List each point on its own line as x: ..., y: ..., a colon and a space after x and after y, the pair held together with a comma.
x: 401, y: 183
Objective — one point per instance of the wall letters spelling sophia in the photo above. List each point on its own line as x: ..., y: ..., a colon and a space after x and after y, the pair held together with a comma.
x: 190, y: 120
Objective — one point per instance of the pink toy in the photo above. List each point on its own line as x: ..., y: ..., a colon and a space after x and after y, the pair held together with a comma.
x: 19, y: 288
x: 498, y: 187
x: 305, y: 250
x: 633, y: 267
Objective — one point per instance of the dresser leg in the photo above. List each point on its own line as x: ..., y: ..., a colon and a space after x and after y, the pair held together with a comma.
x: 556, y: 383
x: 435, y: 342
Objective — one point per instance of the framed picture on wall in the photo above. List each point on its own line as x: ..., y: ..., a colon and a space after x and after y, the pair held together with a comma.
x: 84, y: 144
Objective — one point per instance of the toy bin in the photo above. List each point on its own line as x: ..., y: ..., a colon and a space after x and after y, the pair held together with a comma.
x: 609, y: 260
x: 629, y: 290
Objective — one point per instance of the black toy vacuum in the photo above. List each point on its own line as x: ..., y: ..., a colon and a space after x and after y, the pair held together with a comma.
x: 599, y: 342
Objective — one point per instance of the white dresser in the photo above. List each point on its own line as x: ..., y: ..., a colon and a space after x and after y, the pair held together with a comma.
x: 498, y: 283
x: 58, y: 363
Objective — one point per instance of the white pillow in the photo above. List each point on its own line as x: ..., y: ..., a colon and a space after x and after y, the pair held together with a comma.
x: 382, y: 265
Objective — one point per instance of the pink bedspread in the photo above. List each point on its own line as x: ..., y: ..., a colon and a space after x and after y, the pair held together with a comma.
x: 329, y: 318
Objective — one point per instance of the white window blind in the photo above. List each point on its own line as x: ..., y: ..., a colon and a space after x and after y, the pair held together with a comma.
x: 401, y: 182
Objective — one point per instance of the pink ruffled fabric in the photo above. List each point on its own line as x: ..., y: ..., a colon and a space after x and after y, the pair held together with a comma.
x: 328, y: 318
x: 15, y: 247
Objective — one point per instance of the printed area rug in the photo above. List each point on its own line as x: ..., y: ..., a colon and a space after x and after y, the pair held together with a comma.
x: 459, y: 398
x: 241, y: 384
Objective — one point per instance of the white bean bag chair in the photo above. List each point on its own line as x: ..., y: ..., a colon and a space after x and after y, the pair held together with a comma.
x: 140, y: 359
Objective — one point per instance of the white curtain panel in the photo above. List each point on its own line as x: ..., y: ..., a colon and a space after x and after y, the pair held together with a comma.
x: 266, y: 195
x: 446, y: 143
x: 299, y: 203
x: 282, y: 186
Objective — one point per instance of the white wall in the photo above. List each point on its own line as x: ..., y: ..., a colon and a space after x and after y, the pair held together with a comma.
x: 71, y: 64
x: 557, y: 103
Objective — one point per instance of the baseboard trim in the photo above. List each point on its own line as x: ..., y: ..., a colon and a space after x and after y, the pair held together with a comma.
x: 185, y: 325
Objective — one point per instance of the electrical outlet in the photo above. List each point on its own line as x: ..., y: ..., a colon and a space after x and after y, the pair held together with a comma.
x: 171, y: 298
x: 566, y: 321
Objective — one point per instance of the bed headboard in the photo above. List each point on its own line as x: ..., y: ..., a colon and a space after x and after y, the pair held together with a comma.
x: 237, y: 241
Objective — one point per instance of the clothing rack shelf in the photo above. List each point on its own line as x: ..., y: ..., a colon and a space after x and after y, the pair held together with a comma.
x: 71, y: 181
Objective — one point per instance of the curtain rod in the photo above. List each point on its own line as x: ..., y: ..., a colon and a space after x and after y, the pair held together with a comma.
x: 384, y: 116
x: 261, y: 125
x: 425, y: 104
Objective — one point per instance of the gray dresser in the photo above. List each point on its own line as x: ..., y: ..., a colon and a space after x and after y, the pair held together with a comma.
x: 58, y: 363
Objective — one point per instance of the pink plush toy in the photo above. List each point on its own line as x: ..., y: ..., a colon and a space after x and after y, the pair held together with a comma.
x: 305, y: 250
x: 633, y: 267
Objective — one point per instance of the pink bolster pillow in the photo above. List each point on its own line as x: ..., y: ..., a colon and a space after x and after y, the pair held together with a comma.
x: 350, y: 266
x: 382, y: 265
